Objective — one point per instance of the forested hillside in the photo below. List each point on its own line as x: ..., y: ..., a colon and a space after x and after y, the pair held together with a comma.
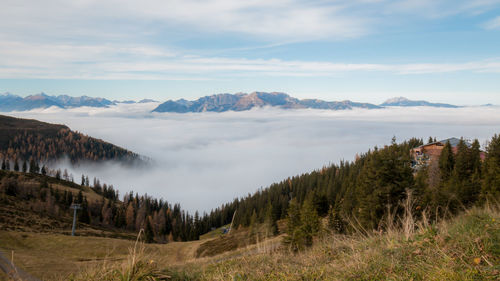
x: 25, y: 140
x: 372, y: 187
x: 48, y: 199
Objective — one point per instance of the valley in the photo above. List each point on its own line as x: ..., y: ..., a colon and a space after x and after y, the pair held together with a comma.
x: 318, y: 213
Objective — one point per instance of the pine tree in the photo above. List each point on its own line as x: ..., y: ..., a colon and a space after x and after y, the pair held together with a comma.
x: 130, y: 216
x: 25, y: 167
x: 491, y: 171
x: 4, y: 165
x: 253, y: 223
x: 456, y: 182
x: 295, y: 237
x: 119, y: 218
x: 310, y: 222
x: 33, y: 167
x: 79, y: 198
x: 446, y: 162
x: 270, y: 221
x: 148, y: 231
x: 335, y: 223
x: 16, y: 165
x: 84, y: 216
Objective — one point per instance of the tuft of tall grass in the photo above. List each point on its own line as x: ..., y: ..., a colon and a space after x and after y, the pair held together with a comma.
x: 136, y: 268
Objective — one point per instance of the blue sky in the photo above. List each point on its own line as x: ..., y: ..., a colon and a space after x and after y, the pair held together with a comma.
x: 364, y: 50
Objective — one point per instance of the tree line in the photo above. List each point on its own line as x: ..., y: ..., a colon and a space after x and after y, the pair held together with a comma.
x: 162, y: 222
x: 30, y: 145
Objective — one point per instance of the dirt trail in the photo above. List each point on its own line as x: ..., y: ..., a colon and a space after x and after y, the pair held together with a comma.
x: 13, y: 272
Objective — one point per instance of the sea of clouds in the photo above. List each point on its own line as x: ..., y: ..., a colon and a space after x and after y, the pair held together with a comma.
x: 203, y: 160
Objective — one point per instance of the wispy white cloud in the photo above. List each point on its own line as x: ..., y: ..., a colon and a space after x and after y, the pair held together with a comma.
x: 278, y: 20
x: 143, y: 62
x: 112, y: 39
x: 438, y: 8
x: 493, y: 23
x: 271, y: 20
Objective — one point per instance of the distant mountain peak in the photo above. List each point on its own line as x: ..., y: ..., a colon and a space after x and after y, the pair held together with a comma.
x: 397, y: 100
x: 404, y: 102
x: 147, y: 101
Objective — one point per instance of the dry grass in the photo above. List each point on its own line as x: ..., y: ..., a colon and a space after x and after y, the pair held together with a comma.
x: 464, y: 248
x: 52, y: 256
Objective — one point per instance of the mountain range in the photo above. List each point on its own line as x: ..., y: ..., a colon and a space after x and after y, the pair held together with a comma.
x: 243, y: 101
x: 10, y: 102
x: 213, y: 103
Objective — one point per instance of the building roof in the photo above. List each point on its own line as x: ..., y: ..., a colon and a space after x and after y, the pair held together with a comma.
x: 453, y: 142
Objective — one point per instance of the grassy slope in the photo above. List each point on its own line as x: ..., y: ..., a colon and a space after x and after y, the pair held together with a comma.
x: 54, y: 256
x: 465, y: 248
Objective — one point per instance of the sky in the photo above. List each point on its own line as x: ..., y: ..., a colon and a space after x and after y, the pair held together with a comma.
x: 203, y: 160
x: 363, y: 50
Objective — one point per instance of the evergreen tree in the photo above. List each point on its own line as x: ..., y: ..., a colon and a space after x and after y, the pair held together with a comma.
x: 270, y: 221
x: 33, y: 167
x: 295, y: 237
x: 4, y: 165
x: 148, y: 231
x: 25, y: 167
x: 16, y: 165
x: 335, y: 223
x: 491, y: 171
x: 446, y: 162
x: 84, y: 216
x: 310, y: 222
x: 130, y: 216
x: 79, y: 198
x: 384, y: 176
x: 253, y: 223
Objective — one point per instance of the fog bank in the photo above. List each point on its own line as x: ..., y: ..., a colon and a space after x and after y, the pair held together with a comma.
x: 205, y: 159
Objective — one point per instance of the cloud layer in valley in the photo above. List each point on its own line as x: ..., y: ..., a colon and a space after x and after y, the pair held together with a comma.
x: 205, y: 159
